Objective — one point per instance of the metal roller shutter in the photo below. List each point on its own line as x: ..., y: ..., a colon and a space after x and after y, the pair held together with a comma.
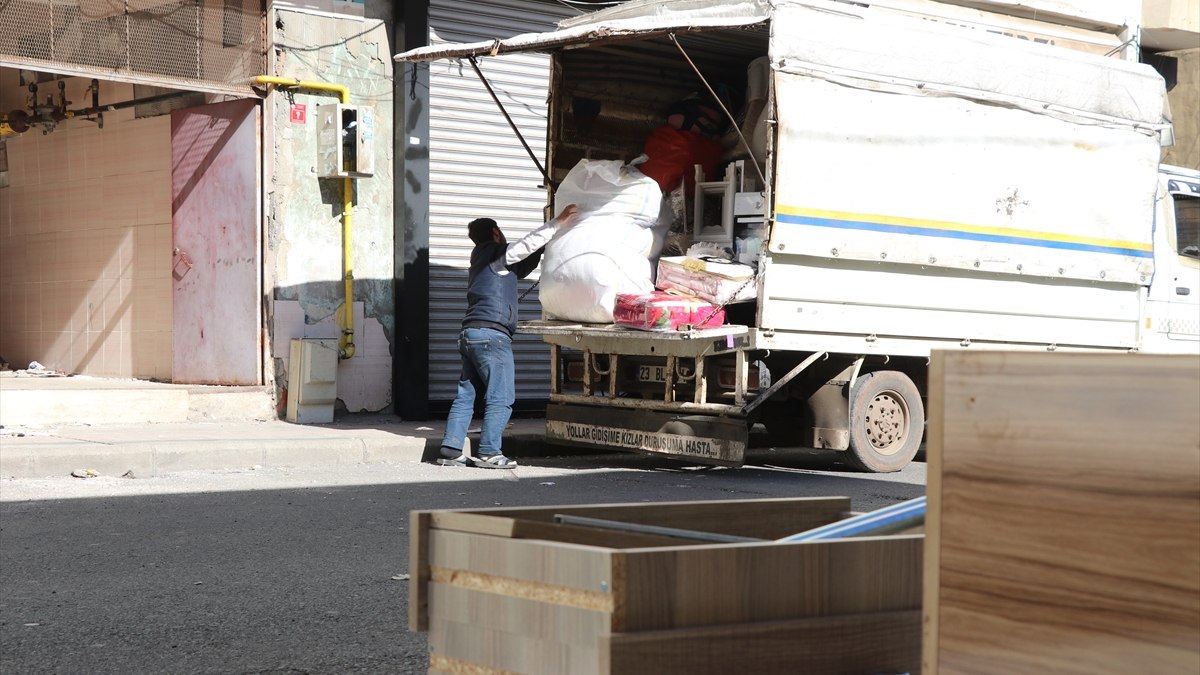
x: 478, y: 168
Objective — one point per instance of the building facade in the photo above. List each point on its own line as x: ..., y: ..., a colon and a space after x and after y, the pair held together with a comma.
x: 167, y: 211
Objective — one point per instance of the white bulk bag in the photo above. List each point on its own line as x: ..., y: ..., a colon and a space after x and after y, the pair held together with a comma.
x: 622, y: 224
x: 585, y: 267
x: 606, y: 187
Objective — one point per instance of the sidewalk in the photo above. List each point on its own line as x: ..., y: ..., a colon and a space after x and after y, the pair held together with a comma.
x: 155, y: 449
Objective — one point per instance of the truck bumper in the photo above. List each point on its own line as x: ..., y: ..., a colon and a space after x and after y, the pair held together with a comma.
x: 702, y: 438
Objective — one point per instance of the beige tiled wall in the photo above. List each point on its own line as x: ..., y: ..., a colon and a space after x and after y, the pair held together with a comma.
x: 85, y: 249
x: 364, y: 383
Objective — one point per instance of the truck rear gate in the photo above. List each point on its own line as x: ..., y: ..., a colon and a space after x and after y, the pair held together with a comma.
x: 707, y: 438
x: 682, y: 394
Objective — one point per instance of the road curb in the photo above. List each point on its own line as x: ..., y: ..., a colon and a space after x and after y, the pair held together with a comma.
x: 50, y: 456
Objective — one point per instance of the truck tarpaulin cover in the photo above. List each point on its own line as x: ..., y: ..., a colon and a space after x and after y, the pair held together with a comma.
x: 1004, y: 209
x: 638, y: 17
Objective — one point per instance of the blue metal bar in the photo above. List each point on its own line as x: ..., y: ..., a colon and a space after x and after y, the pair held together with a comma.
x: 883, y: 521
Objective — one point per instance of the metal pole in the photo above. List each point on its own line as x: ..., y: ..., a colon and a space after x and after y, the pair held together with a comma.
x: 732, y: 119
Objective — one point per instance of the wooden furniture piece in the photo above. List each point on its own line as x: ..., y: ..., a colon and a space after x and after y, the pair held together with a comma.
x: 1063, y: 523
x: 509, y: 590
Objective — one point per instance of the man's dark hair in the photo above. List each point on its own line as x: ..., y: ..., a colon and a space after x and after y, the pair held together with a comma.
x: 480, y: 230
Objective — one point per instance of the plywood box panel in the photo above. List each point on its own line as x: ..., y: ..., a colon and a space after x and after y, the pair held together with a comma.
x: 418, y: 570
x: 760, y: 518
x: 548, y: 621
x: 860, y: 644
x: 765, y: 518
x: 461, y: 648
x: 1063, y: 526
x: 703, y: 585
x: 500, y: 591
x: 566, y: 565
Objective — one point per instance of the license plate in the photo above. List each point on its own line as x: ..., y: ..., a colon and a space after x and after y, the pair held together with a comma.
x: 652, y: 373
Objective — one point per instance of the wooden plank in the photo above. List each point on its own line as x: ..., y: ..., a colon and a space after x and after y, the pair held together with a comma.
x: 475, y: 650
x: 861, y: 644
x: 493, y: 524
x: 537, y: 591
x: 1067, y: 532
x: 931, y: 577
x: 590, y: 536
x: 545, y: 621
x: 553, y: 563
x: 733, y: 583
x: 759, y: 518
x: 673, y: 534
x: 452, y: 666
x: 505, y: 525
x: 418, y: 570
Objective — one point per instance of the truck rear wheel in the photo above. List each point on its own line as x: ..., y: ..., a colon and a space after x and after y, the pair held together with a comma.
x: 887, y: 420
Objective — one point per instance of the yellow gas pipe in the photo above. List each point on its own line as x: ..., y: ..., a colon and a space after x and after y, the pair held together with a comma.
x: 346, y: 341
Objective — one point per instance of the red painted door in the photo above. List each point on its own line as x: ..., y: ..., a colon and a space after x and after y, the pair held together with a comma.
x: 215, y: 223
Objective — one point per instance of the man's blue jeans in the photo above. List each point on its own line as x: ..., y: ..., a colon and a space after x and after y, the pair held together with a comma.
x: 487, y: 369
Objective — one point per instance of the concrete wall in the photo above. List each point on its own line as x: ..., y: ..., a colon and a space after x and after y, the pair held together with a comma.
x: 1176, y: 15
x: 85, y: 241
x: 1184, y: 99
x: 304, y: 228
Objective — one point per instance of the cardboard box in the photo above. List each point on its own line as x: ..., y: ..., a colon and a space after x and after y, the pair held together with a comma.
x: 511, y: 590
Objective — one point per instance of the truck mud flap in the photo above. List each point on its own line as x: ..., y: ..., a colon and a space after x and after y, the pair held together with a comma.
x: 702, y: 438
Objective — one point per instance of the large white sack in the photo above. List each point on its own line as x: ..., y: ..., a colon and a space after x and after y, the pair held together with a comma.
x: 612, y: 249
x: 603, y: 187
x: 585, y: 267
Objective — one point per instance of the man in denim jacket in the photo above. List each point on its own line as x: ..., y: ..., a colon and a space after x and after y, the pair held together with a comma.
x: 485, y: 342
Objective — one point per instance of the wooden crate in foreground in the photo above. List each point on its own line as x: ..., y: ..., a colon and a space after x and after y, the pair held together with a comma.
x: 1063, y: 521
x: 509, y: 590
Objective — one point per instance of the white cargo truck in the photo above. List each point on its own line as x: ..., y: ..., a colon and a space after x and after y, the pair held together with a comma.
x: 921, y: 175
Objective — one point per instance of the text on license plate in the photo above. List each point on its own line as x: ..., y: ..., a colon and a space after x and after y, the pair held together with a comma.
x: 652, y: 373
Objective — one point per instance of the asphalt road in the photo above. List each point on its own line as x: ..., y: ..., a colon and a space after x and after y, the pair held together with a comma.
x: 296, y: 570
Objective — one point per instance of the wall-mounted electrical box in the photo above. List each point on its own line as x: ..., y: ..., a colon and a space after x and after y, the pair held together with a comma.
x: 346, y: 147
x: 312, y: 380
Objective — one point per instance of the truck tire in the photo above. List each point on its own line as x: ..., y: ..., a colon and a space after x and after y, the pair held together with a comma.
x: 887, y: 420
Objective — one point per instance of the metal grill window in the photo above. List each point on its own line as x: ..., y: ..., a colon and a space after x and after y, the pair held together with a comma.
x: 231, y: 33
x: 205, y: 42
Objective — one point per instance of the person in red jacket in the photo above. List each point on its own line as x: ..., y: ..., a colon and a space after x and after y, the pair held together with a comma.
x: 688, y: 138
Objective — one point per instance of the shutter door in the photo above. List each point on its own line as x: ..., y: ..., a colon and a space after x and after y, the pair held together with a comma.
x: 478, y: 168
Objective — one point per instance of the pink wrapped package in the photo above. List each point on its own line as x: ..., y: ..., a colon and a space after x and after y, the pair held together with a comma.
x: 713, y: 279
x: 661, y: 311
